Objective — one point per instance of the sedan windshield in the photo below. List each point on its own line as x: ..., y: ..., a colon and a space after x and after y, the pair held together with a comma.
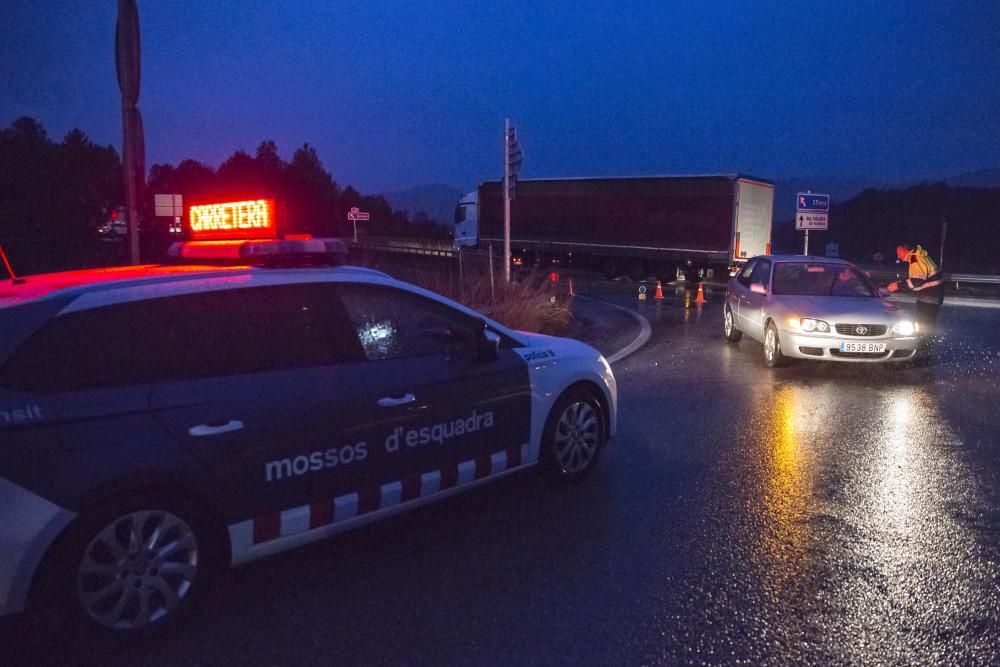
x: 816, y: 279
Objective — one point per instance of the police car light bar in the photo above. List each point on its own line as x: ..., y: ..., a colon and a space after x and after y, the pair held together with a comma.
x: 283, y: 252
x: 249, y: 219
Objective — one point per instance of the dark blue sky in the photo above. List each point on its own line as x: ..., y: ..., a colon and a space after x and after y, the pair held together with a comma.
x: 397, y: 94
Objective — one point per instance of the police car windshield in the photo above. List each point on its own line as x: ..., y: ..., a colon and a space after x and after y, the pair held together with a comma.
x: 818, y: 279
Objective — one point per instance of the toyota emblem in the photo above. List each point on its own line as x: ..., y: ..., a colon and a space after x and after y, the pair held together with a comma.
x: 861, y: 331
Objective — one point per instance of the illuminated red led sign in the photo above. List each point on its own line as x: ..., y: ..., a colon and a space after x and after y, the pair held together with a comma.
x: 250, y: 219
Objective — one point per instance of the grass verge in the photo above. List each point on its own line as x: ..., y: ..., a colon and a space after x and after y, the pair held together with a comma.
x: 530, y: 302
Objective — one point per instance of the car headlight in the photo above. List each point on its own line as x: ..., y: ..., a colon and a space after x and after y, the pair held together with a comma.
x: 808, y: 324
x: 904, y: 328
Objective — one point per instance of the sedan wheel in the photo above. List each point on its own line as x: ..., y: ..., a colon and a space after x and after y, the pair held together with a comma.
x: 733, y: 334
x: 772, y: 347
x: 137, y: 570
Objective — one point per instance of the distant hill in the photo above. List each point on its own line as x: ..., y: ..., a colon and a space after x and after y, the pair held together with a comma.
x: 875, y: 220
x: 437, y: 201
x: 842, y: 189
x: 984, y: 178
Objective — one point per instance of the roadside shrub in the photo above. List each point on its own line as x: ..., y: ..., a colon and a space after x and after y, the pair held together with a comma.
x: 530, y: 302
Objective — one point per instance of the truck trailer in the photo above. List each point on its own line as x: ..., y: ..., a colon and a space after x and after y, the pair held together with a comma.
x: 636, y: 226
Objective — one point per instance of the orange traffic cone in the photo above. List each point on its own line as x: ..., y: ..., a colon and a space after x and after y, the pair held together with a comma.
x: 658, y: 295
x: 701, y: 295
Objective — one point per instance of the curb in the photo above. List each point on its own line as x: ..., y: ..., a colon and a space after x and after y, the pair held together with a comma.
x: 645, y: 330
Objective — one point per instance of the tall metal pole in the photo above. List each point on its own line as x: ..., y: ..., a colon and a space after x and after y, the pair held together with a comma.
x: 944, y: 233
x: 506, y: 199
x: 806, y: 251
x: 128, y: 65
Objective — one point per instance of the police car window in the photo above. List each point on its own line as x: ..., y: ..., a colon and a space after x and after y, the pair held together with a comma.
x: 207, y: 334
x: 394, y: 324
x: 255, y: 330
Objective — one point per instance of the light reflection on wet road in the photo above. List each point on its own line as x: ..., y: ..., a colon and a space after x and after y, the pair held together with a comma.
x: 856, y: 506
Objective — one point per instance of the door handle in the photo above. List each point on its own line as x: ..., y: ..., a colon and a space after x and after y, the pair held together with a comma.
x: 391, y: 402
x: 215, y: 429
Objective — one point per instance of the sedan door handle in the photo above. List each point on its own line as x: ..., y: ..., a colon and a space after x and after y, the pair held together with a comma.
x: 391, y: 402
x: 215, y: 429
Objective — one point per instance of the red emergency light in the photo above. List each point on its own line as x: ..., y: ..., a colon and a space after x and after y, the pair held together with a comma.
x: 249, y: 219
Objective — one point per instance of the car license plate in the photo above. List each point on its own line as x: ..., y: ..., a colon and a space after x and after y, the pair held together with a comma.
x: 862, y: 347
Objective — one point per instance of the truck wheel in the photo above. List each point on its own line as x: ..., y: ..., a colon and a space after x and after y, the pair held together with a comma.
x: 637, y: 270
x: 772, y: 347
x: 666, y: 274
x: 130, y: 568
x: 574, y: 436
x: 609, y: 269
x: 733, y: 334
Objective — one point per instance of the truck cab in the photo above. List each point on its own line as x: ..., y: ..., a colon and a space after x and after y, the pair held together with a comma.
x: 467, y: 220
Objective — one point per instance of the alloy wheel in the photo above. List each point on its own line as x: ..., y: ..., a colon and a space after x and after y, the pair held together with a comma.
x: 137, y: 570
x: 577, y: 437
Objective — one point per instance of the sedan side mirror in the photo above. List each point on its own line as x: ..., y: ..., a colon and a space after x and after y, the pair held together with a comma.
x: 757, y: 288
x: 883, y: 292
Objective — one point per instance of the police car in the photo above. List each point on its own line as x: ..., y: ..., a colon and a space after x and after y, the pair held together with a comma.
x: 160, y: 422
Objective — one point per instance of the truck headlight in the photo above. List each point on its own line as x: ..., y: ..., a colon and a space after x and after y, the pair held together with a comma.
x: 904, y: 328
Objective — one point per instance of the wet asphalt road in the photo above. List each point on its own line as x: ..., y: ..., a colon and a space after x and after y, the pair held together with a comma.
x: 815, y: 514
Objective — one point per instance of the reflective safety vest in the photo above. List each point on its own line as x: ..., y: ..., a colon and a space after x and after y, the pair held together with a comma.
x: 923, y: 272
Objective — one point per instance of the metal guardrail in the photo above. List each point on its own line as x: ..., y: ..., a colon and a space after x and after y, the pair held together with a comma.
x: 971, y: 278
x: 956, y: 278
x: 443, y: 249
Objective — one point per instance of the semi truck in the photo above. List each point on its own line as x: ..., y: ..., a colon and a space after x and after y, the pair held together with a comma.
x: 670, y: 226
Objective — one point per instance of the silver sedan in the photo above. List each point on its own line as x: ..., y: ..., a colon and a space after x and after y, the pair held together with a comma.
x: 816, y: 308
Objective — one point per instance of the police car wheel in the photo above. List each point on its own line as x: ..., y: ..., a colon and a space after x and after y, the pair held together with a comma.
x: 130, y: 568
x: 733, y: 335
x: 574, y: 436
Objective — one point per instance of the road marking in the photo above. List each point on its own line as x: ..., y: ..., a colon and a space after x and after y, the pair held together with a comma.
x: 645, y: 331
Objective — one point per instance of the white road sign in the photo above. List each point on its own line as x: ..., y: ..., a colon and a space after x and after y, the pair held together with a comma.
x: 812, y: 221
x: 168, y: 206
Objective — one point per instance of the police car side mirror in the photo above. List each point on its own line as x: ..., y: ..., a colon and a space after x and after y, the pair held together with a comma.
x: 488, y: 347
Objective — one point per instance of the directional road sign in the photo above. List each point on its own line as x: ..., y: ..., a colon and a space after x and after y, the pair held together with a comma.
x: 811, y: 221
x: 357, y: 216
x: 807, y: 201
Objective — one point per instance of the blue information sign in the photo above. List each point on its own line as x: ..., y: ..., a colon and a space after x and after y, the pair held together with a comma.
x: 811, y: 202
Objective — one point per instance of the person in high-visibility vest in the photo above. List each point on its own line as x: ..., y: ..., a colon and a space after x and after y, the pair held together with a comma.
x: 925, y: 280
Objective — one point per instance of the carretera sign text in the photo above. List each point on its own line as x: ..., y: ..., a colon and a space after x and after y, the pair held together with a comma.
x: 252, y: 218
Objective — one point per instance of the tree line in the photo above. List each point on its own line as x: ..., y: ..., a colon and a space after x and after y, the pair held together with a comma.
x: 54, y: 195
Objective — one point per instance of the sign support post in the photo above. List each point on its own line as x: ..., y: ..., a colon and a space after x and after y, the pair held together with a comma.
x: 506, y: 199
x: 354, y: 215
